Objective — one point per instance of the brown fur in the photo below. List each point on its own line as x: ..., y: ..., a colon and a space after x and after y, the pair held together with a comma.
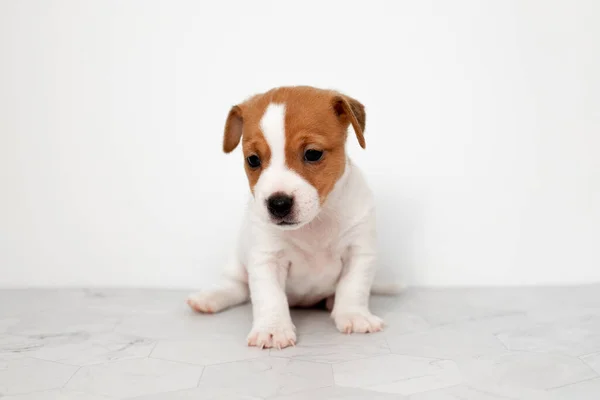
x: 315, y: 119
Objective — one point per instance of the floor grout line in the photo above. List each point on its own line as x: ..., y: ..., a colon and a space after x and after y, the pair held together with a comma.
x: 573, y: 383
x: 69, y: 380
x: 201, y: 375
x: 596, y: 353
x: 153, y: 348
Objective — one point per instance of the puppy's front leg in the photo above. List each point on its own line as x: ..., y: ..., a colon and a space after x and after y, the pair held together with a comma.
x: 351, y: 305
x: 272, y: 326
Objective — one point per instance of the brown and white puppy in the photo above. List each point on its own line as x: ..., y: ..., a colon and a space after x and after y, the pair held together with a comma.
x: 309, y: 234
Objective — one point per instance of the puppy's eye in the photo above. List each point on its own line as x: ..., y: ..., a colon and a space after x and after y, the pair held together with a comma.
x: 253, y: 161
x: 312, y: 155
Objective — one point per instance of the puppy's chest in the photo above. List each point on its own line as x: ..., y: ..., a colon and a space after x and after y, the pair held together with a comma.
x: 315, y: 265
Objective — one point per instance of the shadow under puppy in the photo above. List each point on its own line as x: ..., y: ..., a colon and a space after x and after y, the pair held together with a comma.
x: 309, y: 231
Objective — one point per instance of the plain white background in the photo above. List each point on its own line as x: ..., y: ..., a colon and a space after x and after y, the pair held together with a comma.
x: 483, y: 133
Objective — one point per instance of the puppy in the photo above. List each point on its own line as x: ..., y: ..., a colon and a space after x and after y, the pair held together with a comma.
x: 309, y: 232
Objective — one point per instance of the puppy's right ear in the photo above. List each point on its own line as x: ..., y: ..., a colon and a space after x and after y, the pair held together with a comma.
x: 233, y: 129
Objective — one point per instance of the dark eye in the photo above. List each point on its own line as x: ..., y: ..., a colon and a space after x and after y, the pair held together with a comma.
x: 312, y: 155
x: 253, y: 161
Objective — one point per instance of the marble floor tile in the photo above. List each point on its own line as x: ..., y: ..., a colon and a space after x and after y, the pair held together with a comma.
x: 401, y: 322
x: 23, y: 302
x: 333, y: 347
x: 75, y: 348
x: 438, y: 344
x: 573, y: 336
x: 13, y: 347
x: 267, y: 376
x: 201, y: 393
x: 446, y: 343
x: 6, y: 323
x: 586, y: 390
x: 187, y: 324
x: 494, y: 324
x: 29, y: 375
x: 57, y: 394
x: 129, y: 378
x: 207, y: 348
x: 458, y: 392
x: 443, y: 306
x: 95, y: 349
x: 593, y: 360
x: 58, y: 322
x: 339, y: 393
x: 399, y: 374
x: 130, y: 302
x: 518, y: 373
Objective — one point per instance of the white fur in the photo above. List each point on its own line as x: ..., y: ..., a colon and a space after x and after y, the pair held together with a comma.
x: 331, y: 253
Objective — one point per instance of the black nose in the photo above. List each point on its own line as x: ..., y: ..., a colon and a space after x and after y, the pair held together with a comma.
x: 280, y: 205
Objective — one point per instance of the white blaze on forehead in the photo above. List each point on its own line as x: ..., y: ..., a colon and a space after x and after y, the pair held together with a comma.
x: 272, y: 125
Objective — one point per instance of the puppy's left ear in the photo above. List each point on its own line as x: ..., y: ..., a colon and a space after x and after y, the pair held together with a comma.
x: 351, y: 111
x: 233, y: 129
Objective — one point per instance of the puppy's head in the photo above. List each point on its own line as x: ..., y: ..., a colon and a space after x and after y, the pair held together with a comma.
x: 293, y: 142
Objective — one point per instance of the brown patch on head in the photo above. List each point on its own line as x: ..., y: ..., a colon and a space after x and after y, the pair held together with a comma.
x: 315, y: 119
x: 350, y: 111
x: 245, y: 118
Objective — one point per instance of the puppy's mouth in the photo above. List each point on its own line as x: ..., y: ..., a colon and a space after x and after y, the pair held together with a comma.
x: 286, y: 223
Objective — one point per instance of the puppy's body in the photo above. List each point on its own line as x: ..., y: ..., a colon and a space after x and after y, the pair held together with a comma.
x: 309, y: 232
x: 313, y: 255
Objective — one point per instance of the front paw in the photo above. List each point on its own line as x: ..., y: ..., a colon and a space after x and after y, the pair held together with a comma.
x: 276, y: 336
x: 357, y: 321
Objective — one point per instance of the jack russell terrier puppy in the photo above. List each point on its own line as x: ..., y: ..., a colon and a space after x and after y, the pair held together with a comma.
x: 309, y: 232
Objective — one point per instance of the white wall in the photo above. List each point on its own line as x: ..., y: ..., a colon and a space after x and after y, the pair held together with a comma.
x: 483, y: 133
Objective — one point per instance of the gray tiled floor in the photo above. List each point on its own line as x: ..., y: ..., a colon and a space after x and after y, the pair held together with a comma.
x: 469, y: 344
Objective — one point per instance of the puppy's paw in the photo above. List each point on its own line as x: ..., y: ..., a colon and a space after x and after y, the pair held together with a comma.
x: 278, y: 336
x: 208, y: 302
x: 359, y: 322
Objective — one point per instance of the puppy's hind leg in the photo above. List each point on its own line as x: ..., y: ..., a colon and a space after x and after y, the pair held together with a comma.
x: 232, y: 290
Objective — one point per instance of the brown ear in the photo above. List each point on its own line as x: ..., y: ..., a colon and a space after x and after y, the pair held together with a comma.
x: 350, y: 111
x: 233, y: 129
